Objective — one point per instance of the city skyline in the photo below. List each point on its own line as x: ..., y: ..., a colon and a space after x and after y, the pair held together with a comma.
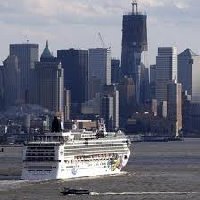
x: 170, y: 23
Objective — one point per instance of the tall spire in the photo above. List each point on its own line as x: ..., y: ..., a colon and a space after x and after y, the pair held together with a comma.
x: 134, y: 6
x: 47, y: 44
x: 46, y: 53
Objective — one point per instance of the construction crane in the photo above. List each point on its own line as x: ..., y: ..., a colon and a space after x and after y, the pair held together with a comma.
x: 101, y: 39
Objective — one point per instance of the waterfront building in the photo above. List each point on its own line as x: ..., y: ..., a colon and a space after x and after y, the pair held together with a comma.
x: 166, y: 71
x: 67, y: 105
x: 144, y: 85
x: 110, y: 103
x: 154, y: 107
x: 2, y: 102
x: 50, y: 82
x: 75, y: 65
x: 11, y: 74
x: 99, y: 70
x: 107, y: 111
x: 152, y: 81
x: 115, y: 71
x: 92, y: 106
x: 191, y: 119
x: 127, y: 99
x: 174, y: 106
x: 27, y: 55
x: 134, y: 43
x: 189, y: 73
x: 163, y: 107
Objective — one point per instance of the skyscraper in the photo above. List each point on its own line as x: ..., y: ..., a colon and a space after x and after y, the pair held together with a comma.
x: 166, y: 71
x: 75, y: 65
x: 134, y: 43
x: 2, y: 102
x: 107, y: 105
x: 99, y: 70
x: 174, y: 106
x: 144, y: 85
x: 127, y: 99
x: 67, y: 104
x: 110, y: 103
x: 27, y: 55
x: 50, y: 82
x: 153, y: 81
x: 115, y: 71
x: 189, y: 73
x: 11, y: 74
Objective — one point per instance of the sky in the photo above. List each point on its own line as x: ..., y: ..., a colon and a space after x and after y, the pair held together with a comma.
x: 76, y: 24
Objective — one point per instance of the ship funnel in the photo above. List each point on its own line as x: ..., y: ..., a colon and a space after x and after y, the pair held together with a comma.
x: 56, y: 125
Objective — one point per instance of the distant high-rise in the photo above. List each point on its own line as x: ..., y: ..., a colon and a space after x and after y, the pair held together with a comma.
x: 67, y: 105
x: 144, y: 85
x: 152, y: 73
x: 50, y: 82
x: 127, y: 99
x: 111, y: 98
x: 99, y: 70
x: 27, y: 55
x: 107, y: 105
x: 166, y: 71
x: 153, y: 81
x: 11, y: 81
x: 2, y: 102
x: 75, y: 65
x: 174, y: 106
x: 115, y: 71
x: 134, y: 43
x: 189, y: 73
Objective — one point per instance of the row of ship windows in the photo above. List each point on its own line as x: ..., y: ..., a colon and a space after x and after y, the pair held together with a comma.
x: 84, y: 161
x: 93, y: 152
x: 41, y: 147
x: 90, y: 158
x: 94, y: 145
x: 40, y: 154
x: 39, y: 167
x: 94, y: 149
x: 40, y: 159
x: 96, y: 156
x: 40, y: 150
x: 40, y: 170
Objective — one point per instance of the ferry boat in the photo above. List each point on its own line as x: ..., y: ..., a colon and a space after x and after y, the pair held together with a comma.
x: 75, y: 153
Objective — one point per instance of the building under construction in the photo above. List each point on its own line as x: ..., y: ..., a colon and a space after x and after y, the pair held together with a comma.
x: 134, y: 42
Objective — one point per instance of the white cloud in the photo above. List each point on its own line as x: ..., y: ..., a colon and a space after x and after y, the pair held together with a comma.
x: 181, y: 5
x: 152, y: 3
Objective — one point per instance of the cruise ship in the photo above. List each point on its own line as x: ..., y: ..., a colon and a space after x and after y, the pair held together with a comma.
x: 75, y: 153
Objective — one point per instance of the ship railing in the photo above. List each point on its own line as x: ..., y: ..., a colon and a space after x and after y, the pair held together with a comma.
x: 45, y: 139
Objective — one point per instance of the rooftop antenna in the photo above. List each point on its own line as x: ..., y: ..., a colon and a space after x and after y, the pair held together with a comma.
x: 26, y: 38
x: 47, y: 44
x: 134, y: 6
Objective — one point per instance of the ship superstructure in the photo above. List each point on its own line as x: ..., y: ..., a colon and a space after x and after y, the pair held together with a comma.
x: 75, y: 153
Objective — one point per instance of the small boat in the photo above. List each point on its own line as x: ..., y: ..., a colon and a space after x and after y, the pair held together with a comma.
x: 69, y: 191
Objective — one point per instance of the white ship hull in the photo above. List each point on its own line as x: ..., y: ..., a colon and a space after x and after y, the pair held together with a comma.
x: 60, y: 171
x: 67, y: 174
x: 48, y: 159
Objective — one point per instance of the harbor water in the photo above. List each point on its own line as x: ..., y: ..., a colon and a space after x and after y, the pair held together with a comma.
x: 155, y: 171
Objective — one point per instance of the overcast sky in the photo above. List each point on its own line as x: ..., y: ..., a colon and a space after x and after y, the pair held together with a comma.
x: 76, y: 23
